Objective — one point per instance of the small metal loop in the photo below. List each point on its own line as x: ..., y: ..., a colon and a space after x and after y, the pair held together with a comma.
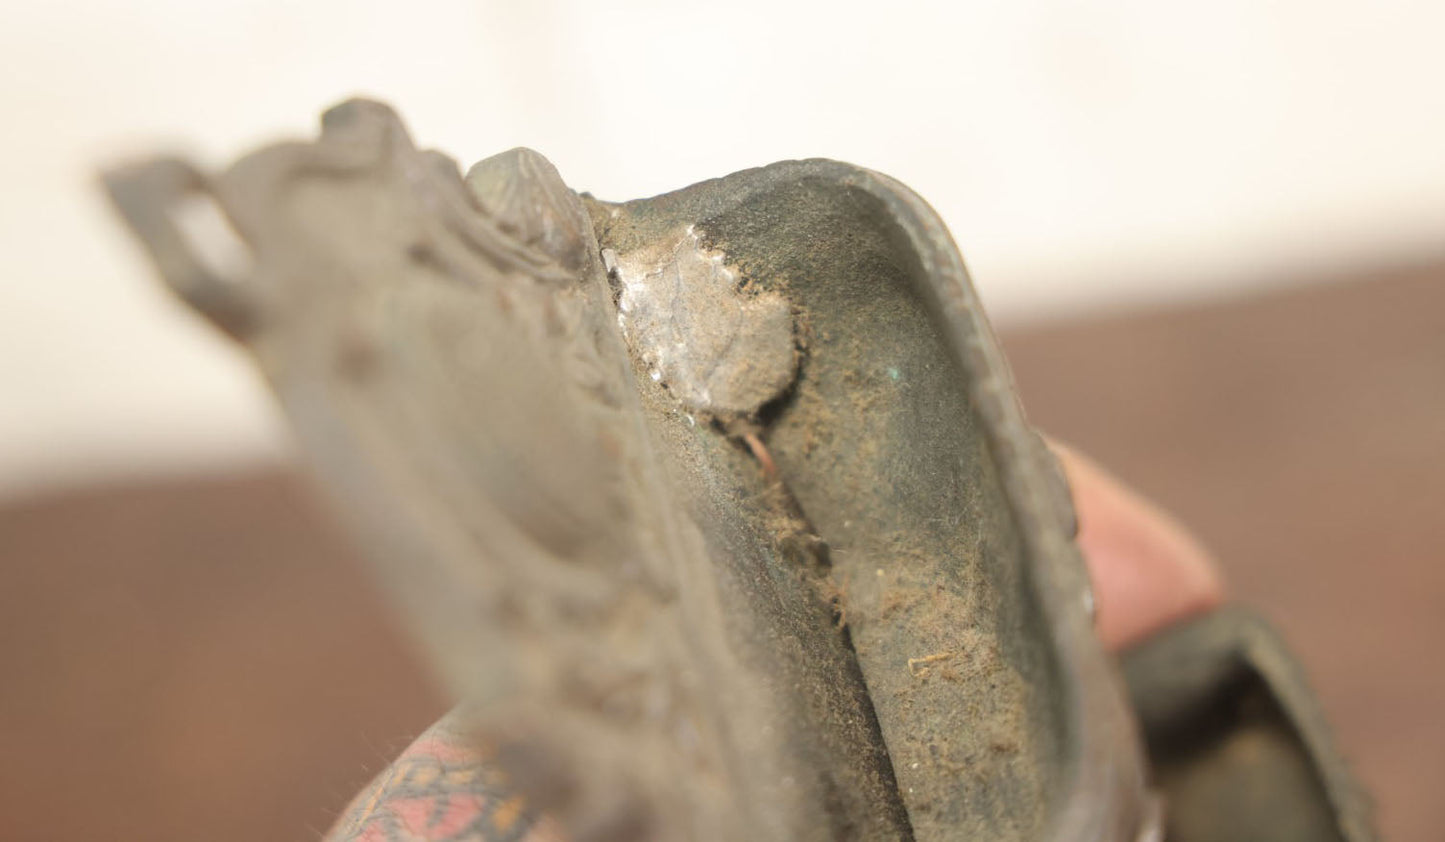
x: 191, y: 244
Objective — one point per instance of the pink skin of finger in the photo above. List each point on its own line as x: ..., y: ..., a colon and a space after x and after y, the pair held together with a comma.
x: 1148, y: 570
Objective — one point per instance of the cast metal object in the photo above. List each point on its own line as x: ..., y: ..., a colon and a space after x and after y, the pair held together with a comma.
x: 718, y: 508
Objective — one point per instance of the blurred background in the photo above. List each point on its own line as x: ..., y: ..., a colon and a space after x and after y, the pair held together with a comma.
x: 1212, y: 236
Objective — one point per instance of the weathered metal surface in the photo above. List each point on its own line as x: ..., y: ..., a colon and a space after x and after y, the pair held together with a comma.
x: 721, y: 349
x: 718, y: 507
x: 1239, y: 746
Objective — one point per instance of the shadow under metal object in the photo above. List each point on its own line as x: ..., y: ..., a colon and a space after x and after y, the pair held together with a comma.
x: 717, y: 508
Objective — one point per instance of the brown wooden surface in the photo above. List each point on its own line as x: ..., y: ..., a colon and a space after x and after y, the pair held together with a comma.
x: 204, y: 660
x: 1302, y: 436
x: 191, y: 660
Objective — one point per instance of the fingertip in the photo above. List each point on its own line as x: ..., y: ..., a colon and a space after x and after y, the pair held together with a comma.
x: 1147, y: 569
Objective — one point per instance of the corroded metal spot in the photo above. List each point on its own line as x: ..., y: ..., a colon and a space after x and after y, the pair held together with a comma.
x: 717, y: 347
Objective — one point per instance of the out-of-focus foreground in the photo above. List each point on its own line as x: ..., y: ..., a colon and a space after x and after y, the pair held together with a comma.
x: 203, y: 658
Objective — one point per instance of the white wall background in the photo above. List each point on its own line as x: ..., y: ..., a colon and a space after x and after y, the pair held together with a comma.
x: 1086, y: 155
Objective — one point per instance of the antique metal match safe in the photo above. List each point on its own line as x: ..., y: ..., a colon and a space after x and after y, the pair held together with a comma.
x: 719, y: 508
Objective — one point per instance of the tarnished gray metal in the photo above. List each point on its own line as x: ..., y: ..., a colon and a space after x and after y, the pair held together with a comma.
x: 1239, y: 746
x: 719, y: 506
